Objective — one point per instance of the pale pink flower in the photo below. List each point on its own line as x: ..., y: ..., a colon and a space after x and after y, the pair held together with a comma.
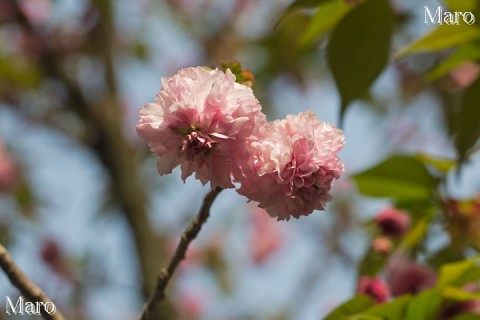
x: 292, y: 165
x: 201, y: 120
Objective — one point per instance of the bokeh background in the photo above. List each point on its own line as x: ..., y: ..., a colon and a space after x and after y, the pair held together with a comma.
x: 84, y: 212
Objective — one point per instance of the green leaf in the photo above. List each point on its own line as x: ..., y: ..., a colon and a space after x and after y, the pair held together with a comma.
x: 425, y: 305
x: 440, y: 164
x: 465, y: 122
x: 459, y: 273
x: 399, y: 177
x: 351, y: 307
x: 442, y: 37
x: 458, y: 294
x: 327, y: 16
x: 461, y: 5
x: 298, y: 5
x: 372, y: 263
x: 469, y: 52
x: 359, y: 48
x: 394, y: 310
x: 415, y: 235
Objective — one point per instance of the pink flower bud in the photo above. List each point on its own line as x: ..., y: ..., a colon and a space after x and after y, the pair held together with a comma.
x: 382, y: 245
x: 393, y: 222
x: 374, y: 287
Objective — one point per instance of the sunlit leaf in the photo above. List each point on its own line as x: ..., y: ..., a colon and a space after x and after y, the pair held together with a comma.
x: 458, y: 294
x: 327, y: 16
x: 399, y: 177
x: 393, y: 310
x: 425, y: 305
x: 440, y: 164
x: 459, y: 273
x: 359, y: 48
x: 351, y: 307
x: 415, y: 235
x: 442, y: 37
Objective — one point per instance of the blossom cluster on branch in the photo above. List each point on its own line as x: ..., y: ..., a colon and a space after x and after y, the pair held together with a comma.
x: 212, y: 126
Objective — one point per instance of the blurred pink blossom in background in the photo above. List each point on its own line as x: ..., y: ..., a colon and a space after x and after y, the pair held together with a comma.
x: 265, y: 236
x: 8, y: 170
x: 407, y: 277
x: 393, y: 222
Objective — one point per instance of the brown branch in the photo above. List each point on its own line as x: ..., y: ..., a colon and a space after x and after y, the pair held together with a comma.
x: 29, y: 289
x: 188, y: 235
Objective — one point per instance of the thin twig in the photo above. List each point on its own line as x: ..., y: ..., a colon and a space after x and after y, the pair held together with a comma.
x: 188, y: 235
x: 29, y: 289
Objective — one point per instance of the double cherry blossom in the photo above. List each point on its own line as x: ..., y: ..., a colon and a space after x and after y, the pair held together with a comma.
x: 212, y: 126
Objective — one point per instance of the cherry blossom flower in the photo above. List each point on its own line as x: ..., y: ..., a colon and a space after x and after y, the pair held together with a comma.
x: 292, y: 165
x: 201, y: 120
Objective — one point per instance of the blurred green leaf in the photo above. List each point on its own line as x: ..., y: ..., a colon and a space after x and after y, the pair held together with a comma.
x: 425, y: 305
x: 465, y: 122
x: 442, y: 37
x: 18, y: 71
x: 468, y: 52
x: 25, y: 199
x: 415, y: 235
x: 459, y: 273
x: 351, y: 307
x: 359, y: 49
x: 327, y: 16
x: 458, y: 294
x: 400, y: 177
x: 440, y: 164
x: 372, y: 263
x: 393, y: 310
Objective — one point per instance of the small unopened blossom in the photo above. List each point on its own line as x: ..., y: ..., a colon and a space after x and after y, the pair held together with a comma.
x: 201, y: 120
x: 407, y: 277
x: 292, y: 166
x: 374, y: 287
x: 393, y: 222
x: 382, y: 245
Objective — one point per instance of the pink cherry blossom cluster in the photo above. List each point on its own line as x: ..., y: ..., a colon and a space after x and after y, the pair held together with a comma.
x: 212, y: 126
